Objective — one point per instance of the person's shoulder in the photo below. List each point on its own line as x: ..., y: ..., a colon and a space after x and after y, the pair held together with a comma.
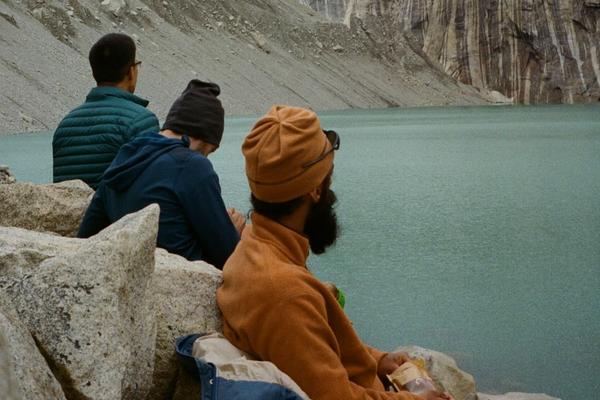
x: 198, y: 163
x: 194, y: 168
x: 292, y: 281
x: 73, y: 118
x: 74, y: 112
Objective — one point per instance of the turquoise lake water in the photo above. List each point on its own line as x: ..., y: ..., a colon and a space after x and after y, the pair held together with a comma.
x: 472, y: 231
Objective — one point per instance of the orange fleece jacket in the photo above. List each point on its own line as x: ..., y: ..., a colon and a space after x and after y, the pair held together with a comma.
x: 276, y: 310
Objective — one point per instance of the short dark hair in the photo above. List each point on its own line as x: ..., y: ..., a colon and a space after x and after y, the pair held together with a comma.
x: 111, y: 57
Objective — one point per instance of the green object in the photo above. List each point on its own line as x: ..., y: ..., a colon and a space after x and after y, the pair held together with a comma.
x: 89, y: 137
x: 341, y: 297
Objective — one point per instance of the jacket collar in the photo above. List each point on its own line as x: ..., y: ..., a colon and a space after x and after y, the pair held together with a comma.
x: 291, y: 244
x: 102, y: 92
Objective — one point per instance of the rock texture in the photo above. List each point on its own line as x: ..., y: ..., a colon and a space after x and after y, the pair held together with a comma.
x: 24, y: 374
x: 5, y: 175
x: 534, y: 51
x: 8, y: 382
x: 88, y: 303
x: 56, y: 208
x: 186, y: 303
x: 445, y: 372
x: 260, y: 52
x: 334, y: 10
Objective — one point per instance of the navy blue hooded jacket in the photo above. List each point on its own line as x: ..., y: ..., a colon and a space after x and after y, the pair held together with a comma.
x: 155, y: 169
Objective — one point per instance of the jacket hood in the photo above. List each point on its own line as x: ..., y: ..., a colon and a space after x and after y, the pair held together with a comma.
x: 134, y: 157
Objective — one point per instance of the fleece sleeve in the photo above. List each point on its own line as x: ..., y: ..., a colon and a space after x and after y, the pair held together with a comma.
x: 203, y: 206
x: 295, y: 336
x: 95, y: 218
x: 376, y: 354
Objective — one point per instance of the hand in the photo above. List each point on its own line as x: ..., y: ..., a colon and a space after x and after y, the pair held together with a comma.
x: 435, y: 395
x: 238, y: 219
x: 390, y: 362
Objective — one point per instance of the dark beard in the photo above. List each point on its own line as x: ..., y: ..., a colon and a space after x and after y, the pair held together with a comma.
x: 321, y: 225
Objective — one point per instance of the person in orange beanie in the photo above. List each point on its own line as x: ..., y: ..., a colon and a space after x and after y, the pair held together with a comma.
x: 273, y: 307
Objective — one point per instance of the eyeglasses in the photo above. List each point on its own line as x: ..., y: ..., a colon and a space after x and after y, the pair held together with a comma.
x: 334, y: 139
x: 137, y: 64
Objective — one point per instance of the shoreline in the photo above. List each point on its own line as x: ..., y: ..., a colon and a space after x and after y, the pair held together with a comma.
x: 329, y: 112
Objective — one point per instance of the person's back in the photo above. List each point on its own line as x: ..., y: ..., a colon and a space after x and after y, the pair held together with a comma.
x: 88, y: 138
x: 172, y: 170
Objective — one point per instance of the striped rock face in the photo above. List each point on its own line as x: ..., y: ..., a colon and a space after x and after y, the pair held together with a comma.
x: 334, y: 10
x: 533, y: 51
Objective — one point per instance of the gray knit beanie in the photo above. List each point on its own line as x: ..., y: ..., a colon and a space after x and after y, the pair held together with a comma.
x: 198, y: 113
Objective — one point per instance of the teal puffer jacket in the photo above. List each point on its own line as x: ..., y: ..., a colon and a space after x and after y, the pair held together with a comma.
x: 89, y: 137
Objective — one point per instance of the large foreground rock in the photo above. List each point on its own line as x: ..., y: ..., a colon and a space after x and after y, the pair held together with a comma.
x: 445, y: 372
x: 24, y: 374
x: 88, y: 303
x: 186, y: 303
x: 56, y: 208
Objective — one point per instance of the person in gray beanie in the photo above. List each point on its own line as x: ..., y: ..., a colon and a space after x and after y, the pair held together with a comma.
x: 171, y: 168
x: 198, y: 112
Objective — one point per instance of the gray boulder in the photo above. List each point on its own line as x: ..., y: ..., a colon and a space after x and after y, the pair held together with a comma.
x: 186, y: 303
x: 88, y: 303
x: 114, y: 6
x: 445, y: 372
x: 5, y: 175
x: 56, y: 208
x: 24, y: 373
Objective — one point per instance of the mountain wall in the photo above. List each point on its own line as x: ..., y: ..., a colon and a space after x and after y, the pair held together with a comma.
x: 534, y: 51
x: 334, y: 10
x: 260, y: 52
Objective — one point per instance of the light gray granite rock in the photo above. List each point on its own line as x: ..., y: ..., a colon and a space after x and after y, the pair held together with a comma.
x: 5, y: 175
x: 56, y: 208
x: 88, y: 303
x: 114, y: 6
x: 445, y: 372
x: 24, y: 373
x: 186, y: 303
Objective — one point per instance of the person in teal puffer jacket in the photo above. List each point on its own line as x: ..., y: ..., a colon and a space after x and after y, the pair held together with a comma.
x: 89, y: 137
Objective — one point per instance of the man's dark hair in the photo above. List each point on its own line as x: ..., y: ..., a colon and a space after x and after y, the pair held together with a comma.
x: 111, y: 57
x: 275, y: 211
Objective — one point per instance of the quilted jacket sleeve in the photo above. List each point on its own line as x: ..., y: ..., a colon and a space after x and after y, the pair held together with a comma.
x: 142, y: 123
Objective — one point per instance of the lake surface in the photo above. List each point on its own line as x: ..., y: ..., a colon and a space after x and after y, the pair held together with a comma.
x: 472, y: 231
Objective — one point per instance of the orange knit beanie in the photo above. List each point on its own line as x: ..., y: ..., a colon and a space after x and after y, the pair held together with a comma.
x: 277, y: 151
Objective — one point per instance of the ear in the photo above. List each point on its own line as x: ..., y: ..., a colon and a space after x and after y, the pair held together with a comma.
x: 131, y: 73
x: 315, y: 194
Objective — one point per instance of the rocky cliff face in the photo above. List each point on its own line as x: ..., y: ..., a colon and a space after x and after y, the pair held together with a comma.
x: 535, y: 51
x: 260, y: 52
x: 334, y: 10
